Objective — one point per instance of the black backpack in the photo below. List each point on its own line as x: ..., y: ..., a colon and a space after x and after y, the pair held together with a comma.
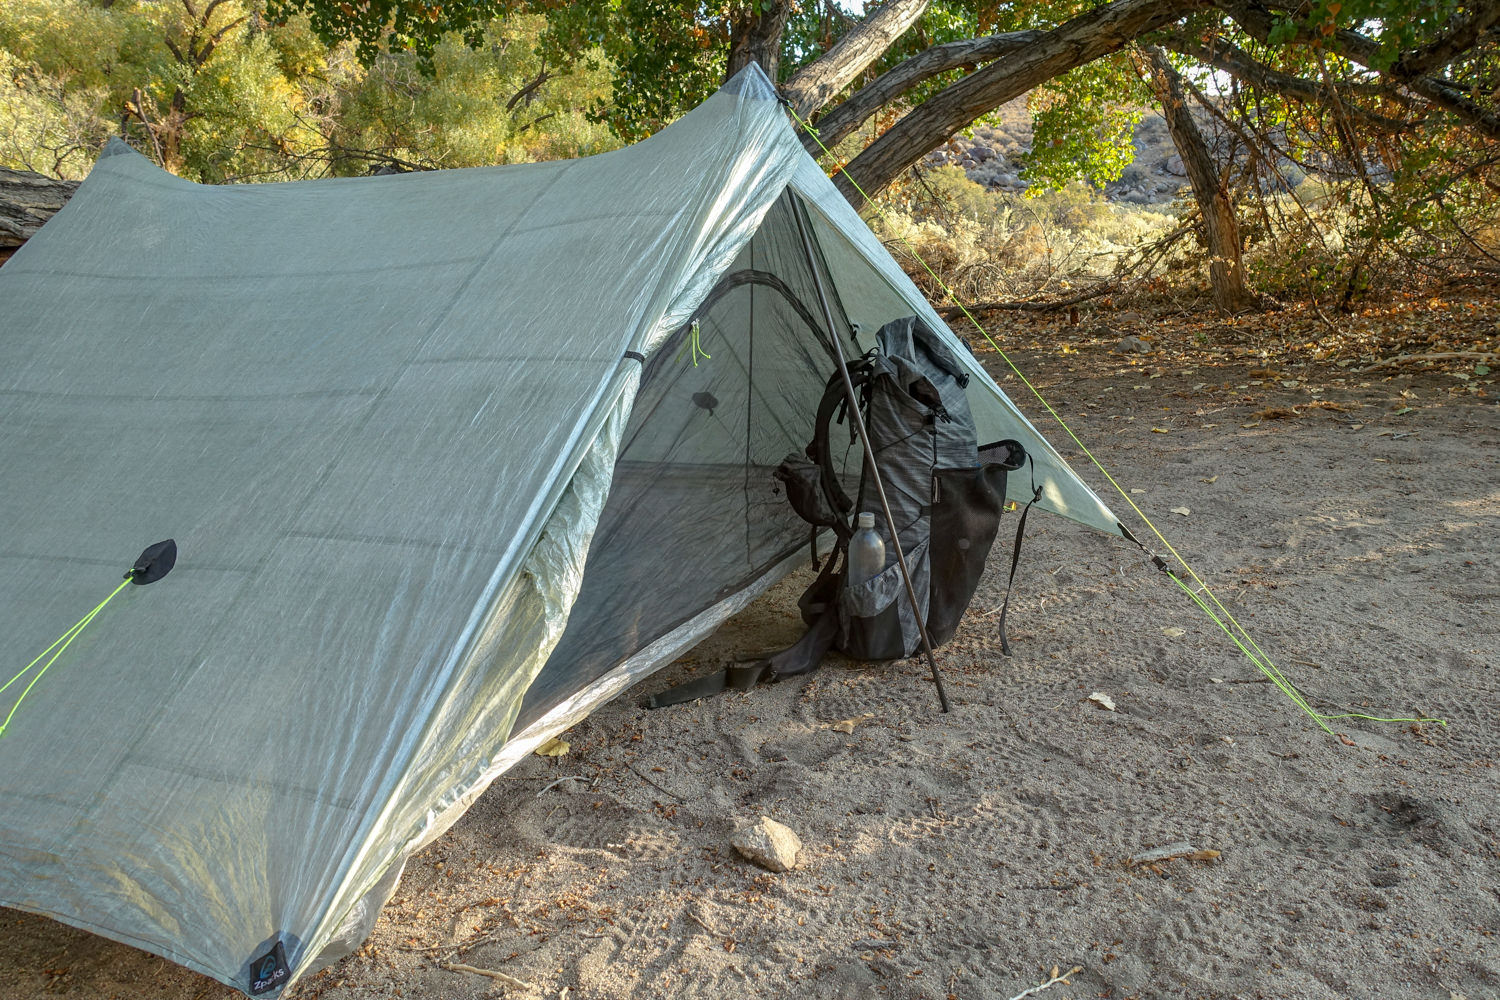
x: 945, y: 494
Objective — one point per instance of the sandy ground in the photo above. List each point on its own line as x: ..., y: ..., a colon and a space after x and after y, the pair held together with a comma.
x: 964, y: 856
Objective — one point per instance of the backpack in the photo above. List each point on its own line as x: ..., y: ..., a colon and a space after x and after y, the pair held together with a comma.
x: 945, y: 494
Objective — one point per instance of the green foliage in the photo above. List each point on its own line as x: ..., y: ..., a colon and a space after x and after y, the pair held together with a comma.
x: 375, y: 27
x: 1395, y: 25
x: 236, y: 98
x: 46, y: 125
x: 1084, y: 125
x: 667, y: 56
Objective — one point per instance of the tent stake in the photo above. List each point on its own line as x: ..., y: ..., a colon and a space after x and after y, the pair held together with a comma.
x: 857, y: 419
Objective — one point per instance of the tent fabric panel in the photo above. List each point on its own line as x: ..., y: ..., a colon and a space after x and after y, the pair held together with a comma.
x: 396, y: 601
x: 455, y: 759
x: 408, y: 471
x: 123, y: 471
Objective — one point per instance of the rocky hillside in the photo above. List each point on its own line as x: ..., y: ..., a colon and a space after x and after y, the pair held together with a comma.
x: 996, y: 153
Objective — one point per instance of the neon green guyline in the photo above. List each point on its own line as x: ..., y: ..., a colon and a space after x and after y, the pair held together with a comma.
x: 1237, y: 633
x: 61, y: 643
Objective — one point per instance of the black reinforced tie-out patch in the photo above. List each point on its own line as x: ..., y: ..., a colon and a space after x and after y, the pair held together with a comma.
x: 269, y: 971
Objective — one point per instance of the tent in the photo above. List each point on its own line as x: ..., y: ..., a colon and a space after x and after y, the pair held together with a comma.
x: 450, y: 459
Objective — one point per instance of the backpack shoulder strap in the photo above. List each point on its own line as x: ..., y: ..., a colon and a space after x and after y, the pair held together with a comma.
x: 821, y: 449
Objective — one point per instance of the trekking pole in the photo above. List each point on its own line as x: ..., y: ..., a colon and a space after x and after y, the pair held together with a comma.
x: 858, y: 421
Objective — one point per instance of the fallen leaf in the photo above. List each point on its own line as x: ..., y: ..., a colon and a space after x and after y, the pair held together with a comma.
x: 1256, y: 424
x: 1210, y: 479
x: 1137, y: 491
x: 1160, y: 430
x: 553, y: 748
x: 1184, y: 511
x: 1102, y: 700
x: 1356, y: 427
x: 1290, y: 383
x: 1347, y: 741
x: 1404, y: 410
x: 847, y: 725
x: 1171, y: 633
x: 1481, y: 369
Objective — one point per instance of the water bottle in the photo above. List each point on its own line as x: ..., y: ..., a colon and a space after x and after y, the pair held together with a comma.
x: 866, y: 551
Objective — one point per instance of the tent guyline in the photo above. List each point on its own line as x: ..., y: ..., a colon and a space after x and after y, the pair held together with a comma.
x: 151, y: 565
x: 63, y: 641
x: 1224, y: 619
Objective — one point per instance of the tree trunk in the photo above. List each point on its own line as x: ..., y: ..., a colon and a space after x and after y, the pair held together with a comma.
x: 757, y: 37
x: 840, y: 122
x: 1221, y: 230
x: 1085, y: 38
x: 28, y: 200
x: 815, y: 84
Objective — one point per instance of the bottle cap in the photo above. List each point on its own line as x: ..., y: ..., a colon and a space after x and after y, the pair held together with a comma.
x: 866, y: 520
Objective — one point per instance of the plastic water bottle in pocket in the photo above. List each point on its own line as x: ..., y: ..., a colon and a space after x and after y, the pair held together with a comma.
x: 866, y: 552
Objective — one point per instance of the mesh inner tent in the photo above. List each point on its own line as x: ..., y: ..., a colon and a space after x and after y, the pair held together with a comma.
x: 694, y: 513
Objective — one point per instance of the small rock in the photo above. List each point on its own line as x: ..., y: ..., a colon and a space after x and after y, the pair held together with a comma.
x: 1173, y: 165
x: 1131, y: 345
x: 769, y: 844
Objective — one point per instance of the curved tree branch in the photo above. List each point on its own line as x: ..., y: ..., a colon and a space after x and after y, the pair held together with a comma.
x: 1238, y: 63
x: 815, y: 84
x: 1408, y: 70
x: 840, y: 122
x: 1081, y: 40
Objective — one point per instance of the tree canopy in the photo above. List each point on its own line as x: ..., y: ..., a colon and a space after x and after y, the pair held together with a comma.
x: 1391, y: 104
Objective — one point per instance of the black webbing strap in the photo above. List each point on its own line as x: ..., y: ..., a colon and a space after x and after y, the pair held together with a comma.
x: 1015, y: 559
x: 800, y: 658
x: 821, y: 452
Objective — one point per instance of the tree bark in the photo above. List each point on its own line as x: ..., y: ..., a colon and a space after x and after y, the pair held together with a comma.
x: 756, y: 38
x: 815, y: 84
x: 1074, y: 43
x: 840, y: 122
x: 1221, y: 230
x: 28, y: 200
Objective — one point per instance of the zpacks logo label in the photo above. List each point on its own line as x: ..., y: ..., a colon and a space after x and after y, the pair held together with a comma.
x: 270, y: 970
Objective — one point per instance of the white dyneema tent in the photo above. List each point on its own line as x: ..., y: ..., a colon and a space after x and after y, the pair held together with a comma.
x: 450, y: 459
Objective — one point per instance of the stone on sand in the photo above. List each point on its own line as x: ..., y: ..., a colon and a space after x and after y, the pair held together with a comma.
x: 769, y: 844
x: 1131, y: 345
